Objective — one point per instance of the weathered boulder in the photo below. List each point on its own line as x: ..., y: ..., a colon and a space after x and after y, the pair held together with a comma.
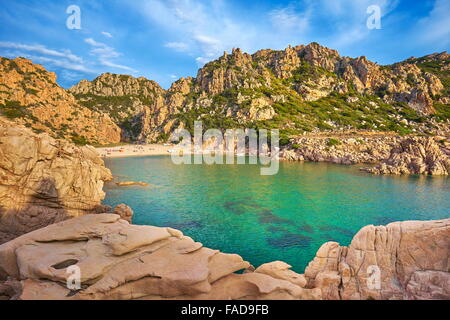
x: 124, y: 211
x: 44, y: 180
x: 117, y: 260
x: 344, y: 149
x: 403, y: 260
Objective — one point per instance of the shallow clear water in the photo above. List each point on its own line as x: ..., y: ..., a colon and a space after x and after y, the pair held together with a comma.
x: 285, y: 217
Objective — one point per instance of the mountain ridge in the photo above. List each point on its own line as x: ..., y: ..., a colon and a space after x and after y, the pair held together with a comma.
x: 265, y: 88
x: 301, y: 89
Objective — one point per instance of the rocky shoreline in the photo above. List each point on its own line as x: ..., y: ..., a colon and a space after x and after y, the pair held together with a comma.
x: 391, y: 154
x: 122, y: 261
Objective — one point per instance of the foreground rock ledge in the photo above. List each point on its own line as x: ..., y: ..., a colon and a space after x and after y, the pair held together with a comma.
x: 122, y: 261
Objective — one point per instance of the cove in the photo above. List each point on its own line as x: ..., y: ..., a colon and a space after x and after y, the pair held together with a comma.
x: 286, y: 217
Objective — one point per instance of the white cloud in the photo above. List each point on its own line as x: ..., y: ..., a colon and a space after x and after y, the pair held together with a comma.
x: 177, y: 46
x: 436, y: 26
x: 105, y: 53
x: 288, y: 19
x: 106, y: 34
x: 60, y: 63
x: 42, y: 50
x: 205, y: 29
x: 94, y: 43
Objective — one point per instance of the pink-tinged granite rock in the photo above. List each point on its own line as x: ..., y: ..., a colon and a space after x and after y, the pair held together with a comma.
x: 44, y: 180
x: 124, y: 211
x: 412, y: 258
x: 122, y: 261
x: 281, y: 270
x: 116, y: 260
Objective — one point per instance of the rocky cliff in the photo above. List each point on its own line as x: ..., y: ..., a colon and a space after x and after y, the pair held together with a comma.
x: 299, y: 89
x: 132, y: 103
x: 122, y: 261
x: 44, y: 180
x: 30, y: 96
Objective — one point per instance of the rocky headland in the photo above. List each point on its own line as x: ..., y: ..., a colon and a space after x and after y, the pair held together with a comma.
x: 45, y: 180
x: 415, y: 155
x: 387, y: 153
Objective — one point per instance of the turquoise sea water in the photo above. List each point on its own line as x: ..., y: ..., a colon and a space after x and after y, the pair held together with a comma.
x: 285, y: 217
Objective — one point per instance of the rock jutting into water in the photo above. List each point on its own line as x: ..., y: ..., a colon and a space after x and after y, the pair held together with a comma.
x: 395, y: 155
x: 131, y: 183
x: 341, y: 150
x: 415, y: 155
x: 44, y: 180
x: 122, y: 261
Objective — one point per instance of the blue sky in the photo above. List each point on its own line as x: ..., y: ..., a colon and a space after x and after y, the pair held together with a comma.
x: 167, y: 39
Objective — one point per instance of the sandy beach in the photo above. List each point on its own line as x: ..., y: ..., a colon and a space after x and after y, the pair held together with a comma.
x: 137, y: 150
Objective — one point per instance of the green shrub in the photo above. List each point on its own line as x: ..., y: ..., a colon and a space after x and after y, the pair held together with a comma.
x: 13, y: 110
x: 333, y: 142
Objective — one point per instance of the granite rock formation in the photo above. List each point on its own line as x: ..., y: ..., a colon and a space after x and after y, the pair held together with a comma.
x: 412, y: 258
x: 122, y: 261
x: 30, y: 96
x: 415, y: 155
x: 133, y: 103
x: 117, y: 260
x: 45, y: 180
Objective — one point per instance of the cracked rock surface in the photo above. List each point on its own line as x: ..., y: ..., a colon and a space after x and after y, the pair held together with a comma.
x: 118, y: 260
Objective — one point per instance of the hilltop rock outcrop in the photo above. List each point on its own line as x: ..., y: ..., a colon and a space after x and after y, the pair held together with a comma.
x: 44, y: 180
x: 134, y: 104
x: 117, y: 260
x: 415, y: 155
x: 30, y: 96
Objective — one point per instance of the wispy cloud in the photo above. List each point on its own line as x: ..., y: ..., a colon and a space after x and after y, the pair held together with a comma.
x: 38, y: 48
x: 206, y: 29
x: 106, y: 34
x: 209, y: 28
x: 436, y: 26
x: 177, y: 46
x: 105, y: 53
